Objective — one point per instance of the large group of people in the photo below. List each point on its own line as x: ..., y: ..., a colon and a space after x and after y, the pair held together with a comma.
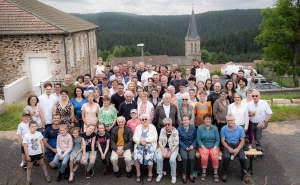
x: 145, y: 116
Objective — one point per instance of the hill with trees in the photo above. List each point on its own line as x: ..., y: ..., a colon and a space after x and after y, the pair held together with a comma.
x: 231, y: 32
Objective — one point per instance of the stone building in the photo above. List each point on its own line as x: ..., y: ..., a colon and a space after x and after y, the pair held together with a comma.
x: 192, y: 45
x: 38, y: 41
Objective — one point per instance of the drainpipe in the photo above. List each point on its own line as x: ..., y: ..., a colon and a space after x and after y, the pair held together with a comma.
x: 65, y: 50
x: 88, y: 44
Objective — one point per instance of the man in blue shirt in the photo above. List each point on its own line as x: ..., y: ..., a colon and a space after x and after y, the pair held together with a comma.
x: 50, y: 139
x: 232, y: 138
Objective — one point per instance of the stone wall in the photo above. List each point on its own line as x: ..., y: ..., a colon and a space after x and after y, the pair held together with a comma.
x: 15, y: 52
x: 86, y: 50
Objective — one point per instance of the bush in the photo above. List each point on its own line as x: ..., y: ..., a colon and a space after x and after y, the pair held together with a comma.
x: 216, y: 72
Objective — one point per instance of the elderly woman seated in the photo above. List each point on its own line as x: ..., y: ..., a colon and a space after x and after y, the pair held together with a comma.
x: 168, y: 148
x: 145, y: 138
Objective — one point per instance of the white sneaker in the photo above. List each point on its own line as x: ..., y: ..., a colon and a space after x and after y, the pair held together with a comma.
x: 158, y: 178
x: 246, y: 157
x: 250, y: 147
x: 132, y: 162
x: 22, y: 164
x: 179, y: 157
x: 220, y: 158
x: 75, y: 168
x: 173, y: 181
x: 232, y: 157
x: 71, y: 176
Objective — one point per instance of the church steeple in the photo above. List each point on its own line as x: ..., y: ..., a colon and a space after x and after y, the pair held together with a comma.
x: 192, y: 30
x: 192, y: 40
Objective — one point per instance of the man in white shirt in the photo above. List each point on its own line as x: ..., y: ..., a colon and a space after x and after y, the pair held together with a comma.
x: 147, y: 74
x: 260, y: 113
x: 57, y: 89
x: 46, y: 102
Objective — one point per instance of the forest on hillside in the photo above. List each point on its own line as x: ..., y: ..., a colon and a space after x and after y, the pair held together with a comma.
x: 230, y: 32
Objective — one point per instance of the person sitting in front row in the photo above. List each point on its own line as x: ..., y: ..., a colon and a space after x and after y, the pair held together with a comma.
x: 232, y: 137
x: 168, y: 148
x: 121, y: 143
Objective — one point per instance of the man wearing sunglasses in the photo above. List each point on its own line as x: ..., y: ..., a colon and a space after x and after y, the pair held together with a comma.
x: 260, y: 113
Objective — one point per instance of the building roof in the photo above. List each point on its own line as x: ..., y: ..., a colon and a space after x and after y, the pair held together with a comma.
x: 180, y: 60
x: 19, y: 17
x: 154, y: 60
x: 192, y: 30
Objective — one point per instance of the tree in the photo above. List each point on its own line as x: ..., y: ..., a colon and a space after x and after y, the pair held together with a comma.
x: 119, y: 51
x: 205, y: 55
x: 213, y: 57
x: 104, y: 54
x: 110, y: 57
x: 221, y: 58
x: 147, y: 53
x: 280, y: 34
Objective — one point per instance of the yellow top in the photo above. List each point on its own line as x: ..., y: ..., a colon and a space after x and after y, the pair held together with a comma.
x: 120, y: 141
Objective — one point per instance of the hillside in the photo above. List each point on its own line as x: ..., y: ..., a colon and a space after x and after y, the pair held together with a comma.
x: 165, y: 34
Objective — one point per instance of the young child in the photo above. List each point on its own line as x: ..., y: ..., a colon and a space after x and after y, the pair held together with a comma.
x: 88, y: 150
x: 64, y: 146
x: 182, y: 90
x: 23, y: 129
x: 34, y: 150
x: 76, y: 153
x: 201, y: 108
x: 103, y: 143
x: 134, y: 121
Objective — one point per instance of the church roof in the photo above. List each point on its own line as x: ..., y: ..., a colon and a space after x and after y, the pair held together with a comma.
x: 192, y: 30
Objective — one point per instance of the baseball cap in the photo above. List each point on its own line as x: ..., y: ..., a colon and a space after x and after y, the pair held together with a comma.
x: 133, y: 111
x: 26, y: 113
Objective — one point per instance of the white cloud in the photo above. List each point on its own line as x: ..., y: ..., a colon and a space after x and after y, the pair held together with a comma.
x: 154, y: 7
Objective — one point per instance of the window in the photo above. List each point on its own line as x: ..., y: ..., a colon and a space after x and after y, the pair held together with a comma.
x: 195, y: 47
x: 71, y: 53
x: 77, y: 50
x: 82, y: 45
x: 191, y: 48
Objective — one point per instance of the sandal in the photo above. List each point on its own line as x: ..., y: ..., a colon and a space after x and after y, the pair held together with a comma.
x: 216, y: 177
x: 203, y: 176
x: 149, y: 178
x: 138, y: 179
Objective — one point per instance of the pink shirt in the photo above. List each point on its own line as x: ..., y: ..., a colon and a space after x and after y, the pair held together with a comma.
x: 64, y: 144
x: 133, y: 124
x: 91, y: 113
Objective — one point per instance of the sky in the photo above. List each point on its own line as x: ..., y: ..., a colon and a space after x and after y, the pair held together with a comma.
x: 154, y: 7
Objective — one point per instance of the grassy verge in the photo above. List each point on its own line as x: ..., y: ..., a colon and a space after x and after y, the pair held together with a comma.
x: 12, y: 116
x: 285, y: 113
x: 278, y: 96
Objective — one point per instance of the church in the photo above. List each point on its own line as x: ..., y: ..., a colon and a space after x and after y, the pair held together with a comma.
x: 192, y: 45
x: 192, y: 50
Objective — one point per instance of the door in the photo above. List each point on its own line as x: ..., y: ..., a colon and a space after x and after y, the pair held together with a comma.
x: 39, y: 70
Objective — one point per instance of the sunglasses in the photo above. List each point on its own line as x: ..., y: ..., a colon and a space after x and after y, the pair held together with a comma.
x: 168, y: 124
x: 144, y: 119
x: 184, y: 99
x: 254, y: 96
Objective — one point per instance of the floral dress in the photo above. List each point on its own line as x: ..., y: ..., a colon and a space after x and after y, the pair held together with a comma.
x: 144, y: 156
x: 65, y: 113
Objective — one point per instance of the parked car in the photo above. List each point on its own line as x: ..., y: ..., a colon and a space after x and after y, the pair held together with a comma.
x: 228, y: 70
x: 266, y: 86
x: 262, y: 80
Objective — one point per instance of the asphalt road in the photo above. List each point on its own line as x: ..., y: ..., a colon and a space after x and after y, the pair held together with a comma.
x: 280, y: 167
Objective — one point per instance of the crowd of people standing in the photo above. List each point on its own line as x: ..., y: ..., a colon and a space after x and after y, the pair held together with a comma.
x: 154, y: 114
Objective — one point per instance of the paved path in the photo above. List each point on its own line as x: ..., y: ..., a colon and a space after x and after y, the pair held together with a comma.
x: 280, y: 167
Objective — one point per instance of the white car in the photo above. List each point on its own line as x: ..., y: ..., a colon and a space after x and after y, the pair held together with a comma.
x: 231, y: 69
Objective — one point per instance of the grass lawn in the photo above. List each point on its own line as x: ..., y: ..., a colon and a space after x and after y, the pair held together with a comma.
x: 285, y: 113
x: 12, y: 116
x: 278, y: 96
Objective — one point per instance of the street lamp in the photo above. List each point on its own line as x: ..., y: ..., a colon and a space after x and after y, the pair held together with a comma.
x: 141, y: 45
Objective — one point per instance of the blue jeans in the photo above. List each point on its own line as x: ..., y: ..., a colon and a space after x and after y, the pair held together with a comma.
x: 63, y: 164
x: 160, y: 162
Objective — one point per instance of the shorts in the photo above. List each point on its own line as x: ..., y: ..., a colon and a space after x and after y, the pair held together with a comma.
x: 50, y: 156
x: 22, y: 150
x: 36, y: 157
x: 79, y: 156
